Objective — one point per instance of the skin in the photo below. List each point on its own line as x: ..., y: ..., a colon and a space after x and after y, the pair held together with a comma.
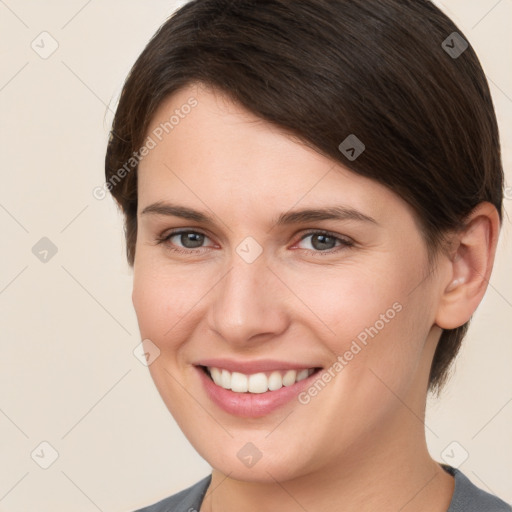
x: 359, y: 445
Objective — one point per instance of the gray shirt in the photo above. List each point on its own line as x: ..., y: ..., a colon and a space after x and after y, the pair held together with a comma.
x: 466, y: 497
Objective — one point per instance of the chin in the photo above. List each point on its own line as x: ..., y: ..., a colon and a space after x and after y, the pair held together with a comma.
x: 262, y: 472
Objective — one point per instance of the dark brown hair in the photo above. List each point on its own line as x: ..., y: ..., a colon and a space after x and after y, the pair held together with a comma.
x: 389, y: 71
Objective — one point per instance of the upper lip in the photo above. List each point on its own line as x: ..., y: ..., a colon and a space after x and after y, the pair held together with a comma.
x: 251, y: 367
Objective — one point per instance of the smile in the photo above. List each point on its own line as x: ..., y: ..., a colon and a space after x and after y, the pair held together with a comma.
x: 257, y: 382
x: 253, y: 390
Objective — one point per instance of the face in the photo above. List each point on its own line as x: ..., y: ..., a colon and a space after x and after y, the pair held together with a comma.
x: 317, y: 320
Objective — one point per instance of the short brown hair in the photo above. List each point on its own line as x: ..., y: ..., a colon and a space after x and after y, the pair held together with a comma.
x: 325, y: 69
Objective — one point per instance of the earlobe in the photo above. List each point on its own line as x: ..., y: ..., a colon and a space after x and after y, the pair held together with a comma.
x: 470, y: 267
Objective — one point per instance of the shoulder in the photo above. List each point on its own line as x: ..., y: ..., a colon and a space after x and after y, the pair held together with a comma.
x: 188, y: 500
x: 467, y: 497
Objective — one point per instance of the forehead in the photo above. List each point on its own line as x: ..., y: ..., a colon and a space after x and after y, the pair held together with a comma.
x: 216, y: 149
x: 219, y: 133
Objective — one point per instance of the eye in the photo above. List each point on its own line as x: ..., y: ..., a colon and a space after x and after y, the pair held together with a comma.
x: 324, y: 241
x: 184, y: 241
x: 191, y: 242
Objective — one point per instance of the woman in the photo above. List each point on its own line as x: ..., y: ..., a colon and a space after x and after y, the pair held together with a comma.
x: 312, y: 194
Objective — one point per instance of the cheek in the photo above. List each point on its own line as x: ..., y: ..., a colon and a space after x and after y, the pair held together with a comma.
x: 164, y: 289
x: 371, y: 319
x: 150, y: 300
x: 162, y: 297
x: 164, y: 301
x: 349, y: 299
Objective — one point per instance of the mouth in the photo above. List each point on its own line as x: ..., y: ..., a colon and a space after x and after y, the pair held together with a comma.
x: 253, y: 395
x: 257, y: 383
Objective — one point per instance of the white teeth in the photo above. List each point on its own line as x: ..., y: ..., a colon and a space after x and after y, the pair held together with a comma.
x: 289, y: 378
x: 216, y: 375
x: 239, y: 382
x: 275, y: 381
x: 303, y: 374
x: 257, y: 382
x: 225, y: 380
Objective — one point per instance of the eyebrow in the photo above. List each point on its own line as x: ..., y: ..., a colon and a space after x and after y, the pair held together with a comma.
x: 291, y: 217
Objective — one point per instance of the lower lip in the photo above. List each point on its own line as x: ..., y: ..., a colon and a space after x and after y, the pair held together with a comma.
x: 252, y: 405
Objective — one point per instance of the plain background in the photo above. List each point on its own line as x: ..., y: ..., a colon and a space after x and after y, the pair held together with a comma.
x: 68, y: 374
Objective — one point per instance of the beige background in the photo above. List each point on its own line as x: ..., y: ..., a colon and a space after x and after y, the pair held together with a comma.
x: 68, y: 375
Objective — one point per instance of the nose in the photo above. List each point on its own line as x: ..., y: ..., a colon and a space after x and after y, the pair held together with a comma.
x: 249, y: 304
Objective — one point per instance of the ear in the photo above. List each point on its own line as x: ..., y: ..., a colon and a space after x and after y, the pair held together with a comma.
x: 469, y: 267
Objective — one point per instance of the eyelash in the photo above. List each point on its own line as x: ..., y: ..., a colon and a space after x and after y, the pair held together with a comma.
x: 165, y: 239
